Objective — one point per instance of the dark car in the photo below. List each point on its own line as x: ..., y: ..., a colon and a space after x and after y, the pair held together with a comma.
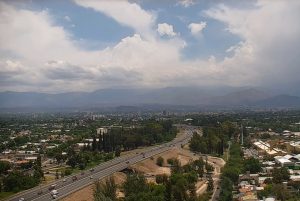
x: 52, y: 187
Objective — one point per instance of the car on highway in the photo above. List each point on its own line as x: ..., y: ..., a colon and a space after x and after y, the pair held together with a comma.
x: 21, y: 199
x: 127, y: 162
x: 52, y: 187
x: 92, y: 170
x: 91, y: 177
x: 64, y: 180
x: 74, y: 178
x: 54, y: 194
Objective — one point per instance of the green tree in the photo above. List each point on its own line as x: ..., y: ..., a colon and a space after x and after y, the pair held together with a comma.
x: 94, y: 143
x: 280, y: 192
x: 16, y: 181
x: 72, y: 162
x: 209, y: 168
x: 161, y: 179
x: 106, y: 191
x: 68, y: 172
x: 159, y: 161
x: 118, y: 151
x: 280, y: 174
x: 252, y: 165
x: 226, y: 189
x: 39, y: 161
x: 4, y: 166
x: 210, y: 185
x: 134, y: 184
x: 180, y: 187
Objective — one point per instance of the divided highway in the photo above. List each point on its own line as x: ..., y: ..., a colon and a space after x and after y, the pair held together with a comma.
x: 67, y: 186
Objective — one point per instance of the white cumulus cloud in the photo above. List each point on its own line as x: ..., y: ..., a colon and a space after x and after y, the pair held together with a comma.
x: 124, y: 12
x: 268, y: 48
x: 197, y: 28
x: 165, y: 29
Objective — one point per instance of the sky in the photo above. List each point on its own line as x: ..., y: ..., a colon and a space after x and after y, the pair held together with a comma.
x: 84, y: 45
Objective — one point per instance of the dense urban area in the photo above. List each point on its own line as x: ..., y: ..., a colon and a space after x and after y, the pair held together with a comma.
x: 260, y: 152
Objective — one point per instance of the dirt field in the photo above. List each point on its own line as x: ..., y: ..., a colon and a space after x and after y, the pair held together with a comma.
x: 149, y: 166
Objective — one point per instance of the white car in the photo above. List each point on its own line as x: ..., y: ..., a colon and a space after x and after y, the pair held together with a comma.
x: 21, y: 199
x: 54, y: 192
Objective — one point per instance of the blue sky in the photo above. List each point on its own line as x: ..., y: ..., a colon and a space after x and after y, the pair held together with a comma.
x: 84, y: 45
x: 100, y: 31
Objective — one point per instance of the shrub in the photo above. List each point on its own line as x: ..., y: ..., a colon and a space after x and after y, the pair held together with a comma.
x: 159, y: 161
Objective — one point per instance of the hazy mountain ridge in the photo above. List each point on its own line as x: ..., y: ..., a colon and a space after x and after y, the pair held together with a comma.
x: 188, y: 96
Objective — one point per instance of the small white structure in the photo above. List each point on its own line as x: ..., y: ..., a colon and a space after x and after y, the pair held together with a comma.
x: 283, y: 161
x: 295, y: 177
x: 81, y: 144
x: 269, y: 199
x: 31, y: 158
x: 101, y: 131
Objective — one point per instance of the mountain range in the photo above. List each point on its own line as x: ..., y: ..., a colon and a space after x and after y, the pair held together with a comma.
x: 171, y: 96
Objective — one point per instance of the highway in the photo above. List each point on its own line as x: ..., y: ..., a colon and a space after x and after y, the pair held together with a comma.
x: 87, y: 177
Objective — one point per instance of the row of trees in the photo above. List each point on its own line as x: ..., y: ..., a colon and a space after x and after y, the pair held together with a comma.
x: 214, y: 139
x: 118, y: 139
x: 82, y: 159
x: 231, y: 171
x: 147, y: 134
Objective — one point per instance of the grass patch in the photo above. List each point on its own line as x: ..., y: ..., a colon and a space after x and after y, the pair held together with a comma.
x: 4, y: 195
x: 49, y: 179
